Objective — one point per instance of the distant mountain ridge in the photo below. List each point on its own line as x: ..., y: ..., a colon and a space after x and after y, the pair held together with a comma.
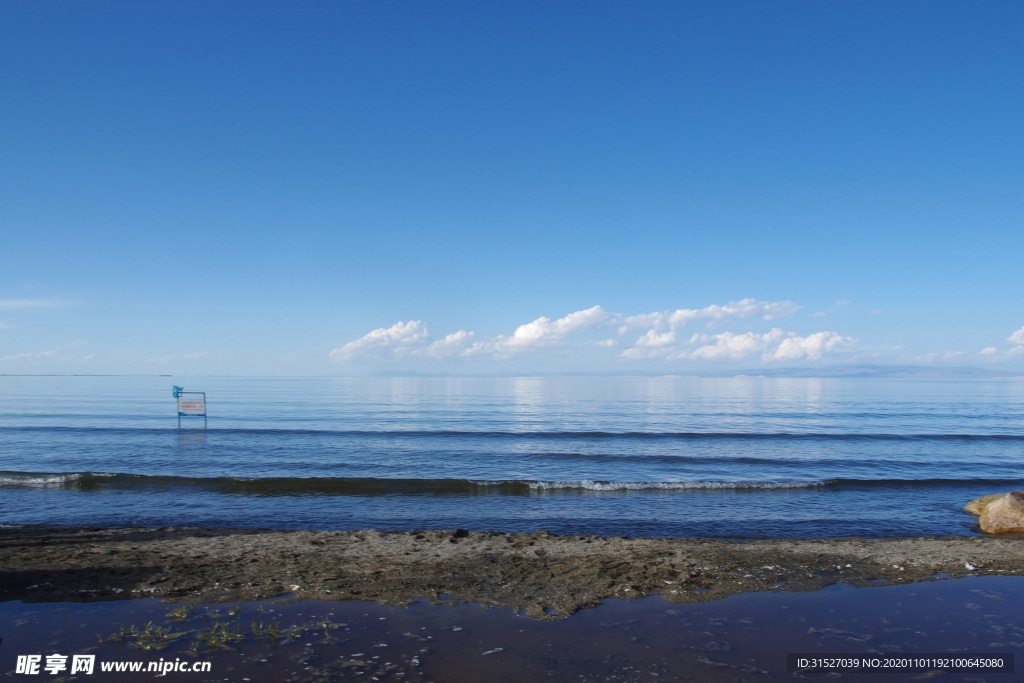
x: 897, y: 371
x: 829, y: 371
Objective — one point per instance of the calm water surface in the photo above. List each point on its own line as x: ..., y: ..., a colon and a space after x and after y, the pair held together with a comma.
x: 733, y: 458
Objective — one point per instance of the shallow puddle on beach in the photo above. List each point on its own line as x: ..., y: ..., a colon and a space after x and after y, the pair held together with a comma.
x: 741, y: 638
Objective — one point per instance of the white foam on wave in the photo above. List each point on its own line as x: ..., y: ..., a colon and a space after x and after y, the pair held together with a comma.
x: 594, y: 485
x: 671, y: 485
x: 38, y: 480
x: 46, y: 480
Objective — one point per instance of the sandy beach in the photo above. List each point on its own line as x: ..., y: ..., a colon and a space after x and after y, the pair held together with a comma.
x: 541, y: 574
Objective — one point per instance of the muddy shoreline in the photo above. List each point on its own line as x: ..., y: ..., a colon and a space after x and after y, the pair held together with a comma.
x: 541, y: 574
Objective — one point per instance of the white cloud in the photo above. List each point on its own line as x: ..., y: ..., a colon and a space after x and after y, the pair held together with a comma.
x: 411, y: 339
x: 746, y: 308
x: 49, y: 357
x: 842, y: 302
x: 543, y: 333
x: 397, y: 338
x: 773, y: 345
x: 24, y: 304
x: 813, y: 346
x: 989, y: 354
x: 452, y: 345
x: 31, y: 355
x: 651, y: 345
x: 654, y: 340
x: 733, y: 346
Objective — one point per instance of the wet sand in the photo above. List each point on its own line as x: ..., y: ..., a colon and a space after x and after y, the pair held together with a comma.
x: 742, y: 637
x: 540, y: 574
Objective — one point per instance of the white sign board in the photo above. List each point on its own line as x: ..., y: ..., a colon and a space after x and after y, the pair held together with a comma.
x: 191, y: 406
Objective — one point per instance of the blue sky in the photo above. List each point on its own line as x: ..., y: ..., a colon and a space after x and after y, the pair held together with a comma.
x: 336, y: 188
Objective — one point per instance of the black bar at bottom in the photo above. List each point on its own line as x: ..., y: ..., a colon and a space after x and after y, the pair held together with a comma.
x: 987, y: 662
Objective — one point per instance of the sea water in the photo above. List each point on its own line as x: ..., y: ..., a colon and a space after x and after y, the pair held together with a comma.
x: 742, y: 457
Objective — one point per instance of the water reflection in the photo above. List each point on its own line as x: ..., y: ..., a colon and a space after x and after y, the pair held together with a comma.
x: 740, y: 638
x: 191, y: 437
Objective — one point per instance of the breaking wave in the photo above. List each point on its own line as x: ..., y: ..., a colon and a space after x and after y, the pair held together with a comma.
x: 368, y: 486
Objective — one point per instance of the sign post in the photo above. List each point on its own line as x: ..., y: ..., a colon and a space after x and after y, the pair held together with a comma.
x: 190, y: 404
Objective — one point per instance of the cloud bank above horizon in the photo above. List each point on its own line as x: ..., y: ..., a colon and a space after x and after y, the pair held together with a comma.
x: 660, y: 340
x: 747, y: 331
x: 660, y: 336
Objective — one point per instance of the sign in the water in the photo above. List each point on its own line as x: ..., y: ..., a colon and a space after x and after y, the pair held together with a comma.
x: 190, y: 404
